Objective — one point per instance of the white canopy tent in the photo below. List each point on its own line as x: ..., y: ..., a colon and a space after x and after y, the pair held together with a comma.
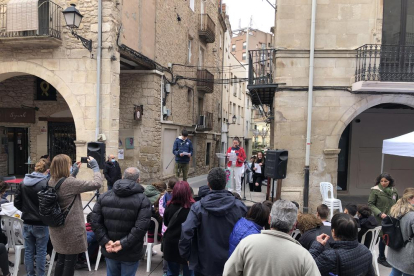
x: 402, y: 146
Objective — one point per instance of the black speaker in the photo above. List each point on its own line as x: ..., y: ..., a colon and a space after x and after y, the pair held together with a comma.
x: 276, y: 164
x: 97, y: 151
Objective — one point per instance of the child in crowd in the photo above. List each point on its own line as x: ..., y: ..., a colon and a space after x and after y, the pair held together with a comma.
x: 323, y: 213
x: 367, y: 221
x: 351, y: 209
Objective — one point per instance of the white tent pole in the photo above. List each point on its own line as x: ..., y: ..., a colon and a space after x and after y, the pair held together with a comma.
x: 382, y: 164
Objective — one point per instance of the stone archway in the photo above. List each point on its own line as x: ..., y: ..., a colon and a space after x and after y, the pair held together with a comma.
x: 10, y: 69
x: 359, y: 107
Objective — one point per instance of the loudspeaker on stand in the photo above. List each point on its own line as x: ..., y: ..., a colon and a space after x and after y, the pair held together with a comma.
x: 276, y: 164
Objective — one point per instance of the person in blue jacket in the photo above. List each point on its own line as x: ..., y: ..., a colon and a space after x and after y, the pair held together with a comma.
x: 253, y: 223
x: 183, y: 150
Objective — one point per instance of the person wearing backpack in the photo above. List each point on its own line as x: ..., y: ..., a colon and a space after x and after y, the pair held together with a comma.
x: 382, y: 197
x: 69, y: 239
x: 346, y: 257
x: 402, y: 260
x: 35, y: 232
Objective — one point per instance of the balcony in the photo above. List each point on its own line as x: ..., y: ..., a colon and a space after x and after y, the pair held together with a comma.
x: 205, y: 81
x: 261, y: 85
x: 205, y: 122
x: 207, y: 29
x: 34, y: 22
x: 384, y: 68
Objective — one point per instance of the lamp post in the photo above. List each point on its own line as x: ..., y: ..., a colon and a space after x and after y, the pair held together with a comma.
x: 264, y: 133
x: 256, y: 134
x: 73, y: 19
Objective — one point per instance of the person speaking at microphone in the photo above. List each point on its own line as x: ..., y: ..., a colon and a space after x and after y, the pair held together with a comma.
x: 237, y: 166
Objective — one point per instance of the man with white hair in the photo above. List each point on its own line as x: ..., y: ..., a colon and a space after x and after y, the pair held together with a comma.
x: 274, y: 251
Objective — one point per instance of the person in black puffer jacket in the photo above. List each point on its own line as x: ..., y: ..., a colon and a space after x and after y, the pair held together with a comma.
x: 35, y: 232
x: 367, y: 221
x: 354, y: 258
x: 120, y: 220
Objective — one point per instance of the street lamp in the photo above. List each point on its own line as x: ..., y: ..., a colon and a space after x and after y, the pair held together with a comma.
x: 263, y: 133
x: 73, y: 19
x: 234, y: 119
x: 256, y: 134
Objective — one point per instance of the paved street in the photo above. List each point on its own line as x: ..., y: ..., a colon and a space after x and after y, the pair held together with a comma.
x: 156, y: 263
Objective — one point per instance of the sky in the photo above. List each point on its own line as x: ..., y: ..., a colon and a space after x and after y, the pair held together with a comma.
x: 262, y: 12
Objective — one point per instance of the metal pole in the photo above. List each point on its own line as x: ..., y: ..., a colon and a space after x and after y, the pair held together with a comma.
x: 98, y: 70
x: 382, y: 164
x: 310, y: 99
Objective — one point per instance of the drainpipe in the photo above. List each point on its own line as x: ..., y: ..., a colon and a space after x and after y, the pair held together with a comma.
x: 98, y: 70
x: 310, y: 98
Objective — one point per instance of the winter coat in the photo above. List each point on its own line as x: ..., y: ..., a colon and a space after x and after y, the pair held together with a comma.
x: 354, y: 258
x: 26, y: 199
x: 112, y: 172
x: 366, y: 224
x: 173, y: 233
x: 70, y: 238
x: 122, y: 214
x: 307, y: 238
x: 241, y: 156
x: 242, y: 229
x: 381, y: 200
x: 270, y: 253
x: 180, y: 146
x: 202, y: 192
x: 152, y: 193
x: 403, y: 259
x: 205, y: 234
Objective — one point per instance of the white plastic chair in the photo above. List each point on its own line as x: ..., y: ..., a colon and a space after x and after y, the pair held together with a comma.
x: 148, y: 252
x: 374, y: 242
x: 150, y: 245
x: 332, y: 202
x: 52, y: 260
x: 13, y: 228
x: 295, y: 233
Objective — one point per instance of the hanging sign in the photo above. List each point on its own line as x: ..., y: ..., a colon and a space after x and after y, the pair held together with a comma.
x: 45, y: 91
x: 17, y: 115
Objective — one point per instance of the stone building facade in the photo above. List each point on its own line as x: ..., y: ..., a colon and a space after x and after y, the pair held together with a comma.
x: 130, y: 76
x: 355, y: 106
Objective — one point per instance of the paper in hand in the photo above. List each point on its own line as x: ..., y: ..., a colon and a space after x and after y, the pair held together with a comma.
x: 187, y: 153
x: 258, y: 168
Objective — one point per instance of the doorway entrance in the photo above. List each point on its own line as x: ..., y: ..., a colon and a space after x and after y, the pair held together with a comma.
x: 18, y: 150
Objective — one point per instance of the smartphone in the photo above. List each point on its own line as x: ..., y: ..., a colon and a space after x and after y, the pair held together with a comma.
x: 84, y: 159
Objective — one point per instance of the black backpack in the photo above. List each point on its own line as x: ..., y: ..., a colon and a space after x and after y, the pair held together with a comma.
x: 392, y: 235
x: 49, y: 209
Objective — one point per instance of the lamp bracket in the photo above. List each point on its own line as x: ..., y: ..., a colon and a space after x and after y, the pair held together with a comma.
x: 87, y: 43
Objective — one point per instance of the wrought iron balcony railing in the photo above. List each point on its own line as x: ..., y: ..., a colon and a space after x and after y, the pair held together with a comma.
x: 205, y: 122
x: 23, y: 22
x: 394, y: 63
x: 205, y: 81
x: 261, y: 66
x: 207, y: 28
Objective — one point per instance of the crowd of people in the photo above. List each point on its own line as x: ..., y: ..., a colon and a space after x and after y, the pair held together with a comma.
x: 212, y: 233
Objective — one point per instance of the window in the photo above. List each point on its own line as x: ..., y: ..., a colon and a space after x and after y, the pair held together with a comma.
x: 189, y: 94
x: 221, y: 42
x: 208, y: 154
x: 192, y: 4
x: 233, y: 47
x: 242, y: 112
x: 247, y: 126
x: 189, y: 51
x: 234, y: 110
x: 235, y: 87
x: 244, y: 45
x: 263, y: 45
x: 201, y: 58
x: 244, y: 56
x: 248, y: 102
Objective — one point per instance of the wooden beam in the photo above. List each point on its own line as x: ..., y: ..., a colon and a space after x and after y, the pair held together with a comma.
x: 57, y: 119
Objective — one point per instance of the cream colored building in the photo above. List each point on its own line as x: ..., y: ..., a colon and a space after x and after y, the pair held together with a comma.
x: 362, y: 93
x: 155, y: 57
x: 234, y: 99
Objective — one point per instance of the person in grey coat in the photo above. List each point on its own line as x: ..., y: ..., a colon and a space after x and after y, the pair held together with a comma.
x: 70, y: 239
x: 402, y: 260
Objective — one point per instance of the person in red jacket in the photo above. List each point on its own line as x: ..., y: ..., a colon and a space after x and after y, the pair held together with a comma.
x: 237, y: 166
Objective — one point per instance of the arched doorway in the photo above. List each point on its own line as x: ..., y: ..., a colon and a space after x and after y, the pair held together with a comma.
x: 359, y: 161
x: 35, y: 105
